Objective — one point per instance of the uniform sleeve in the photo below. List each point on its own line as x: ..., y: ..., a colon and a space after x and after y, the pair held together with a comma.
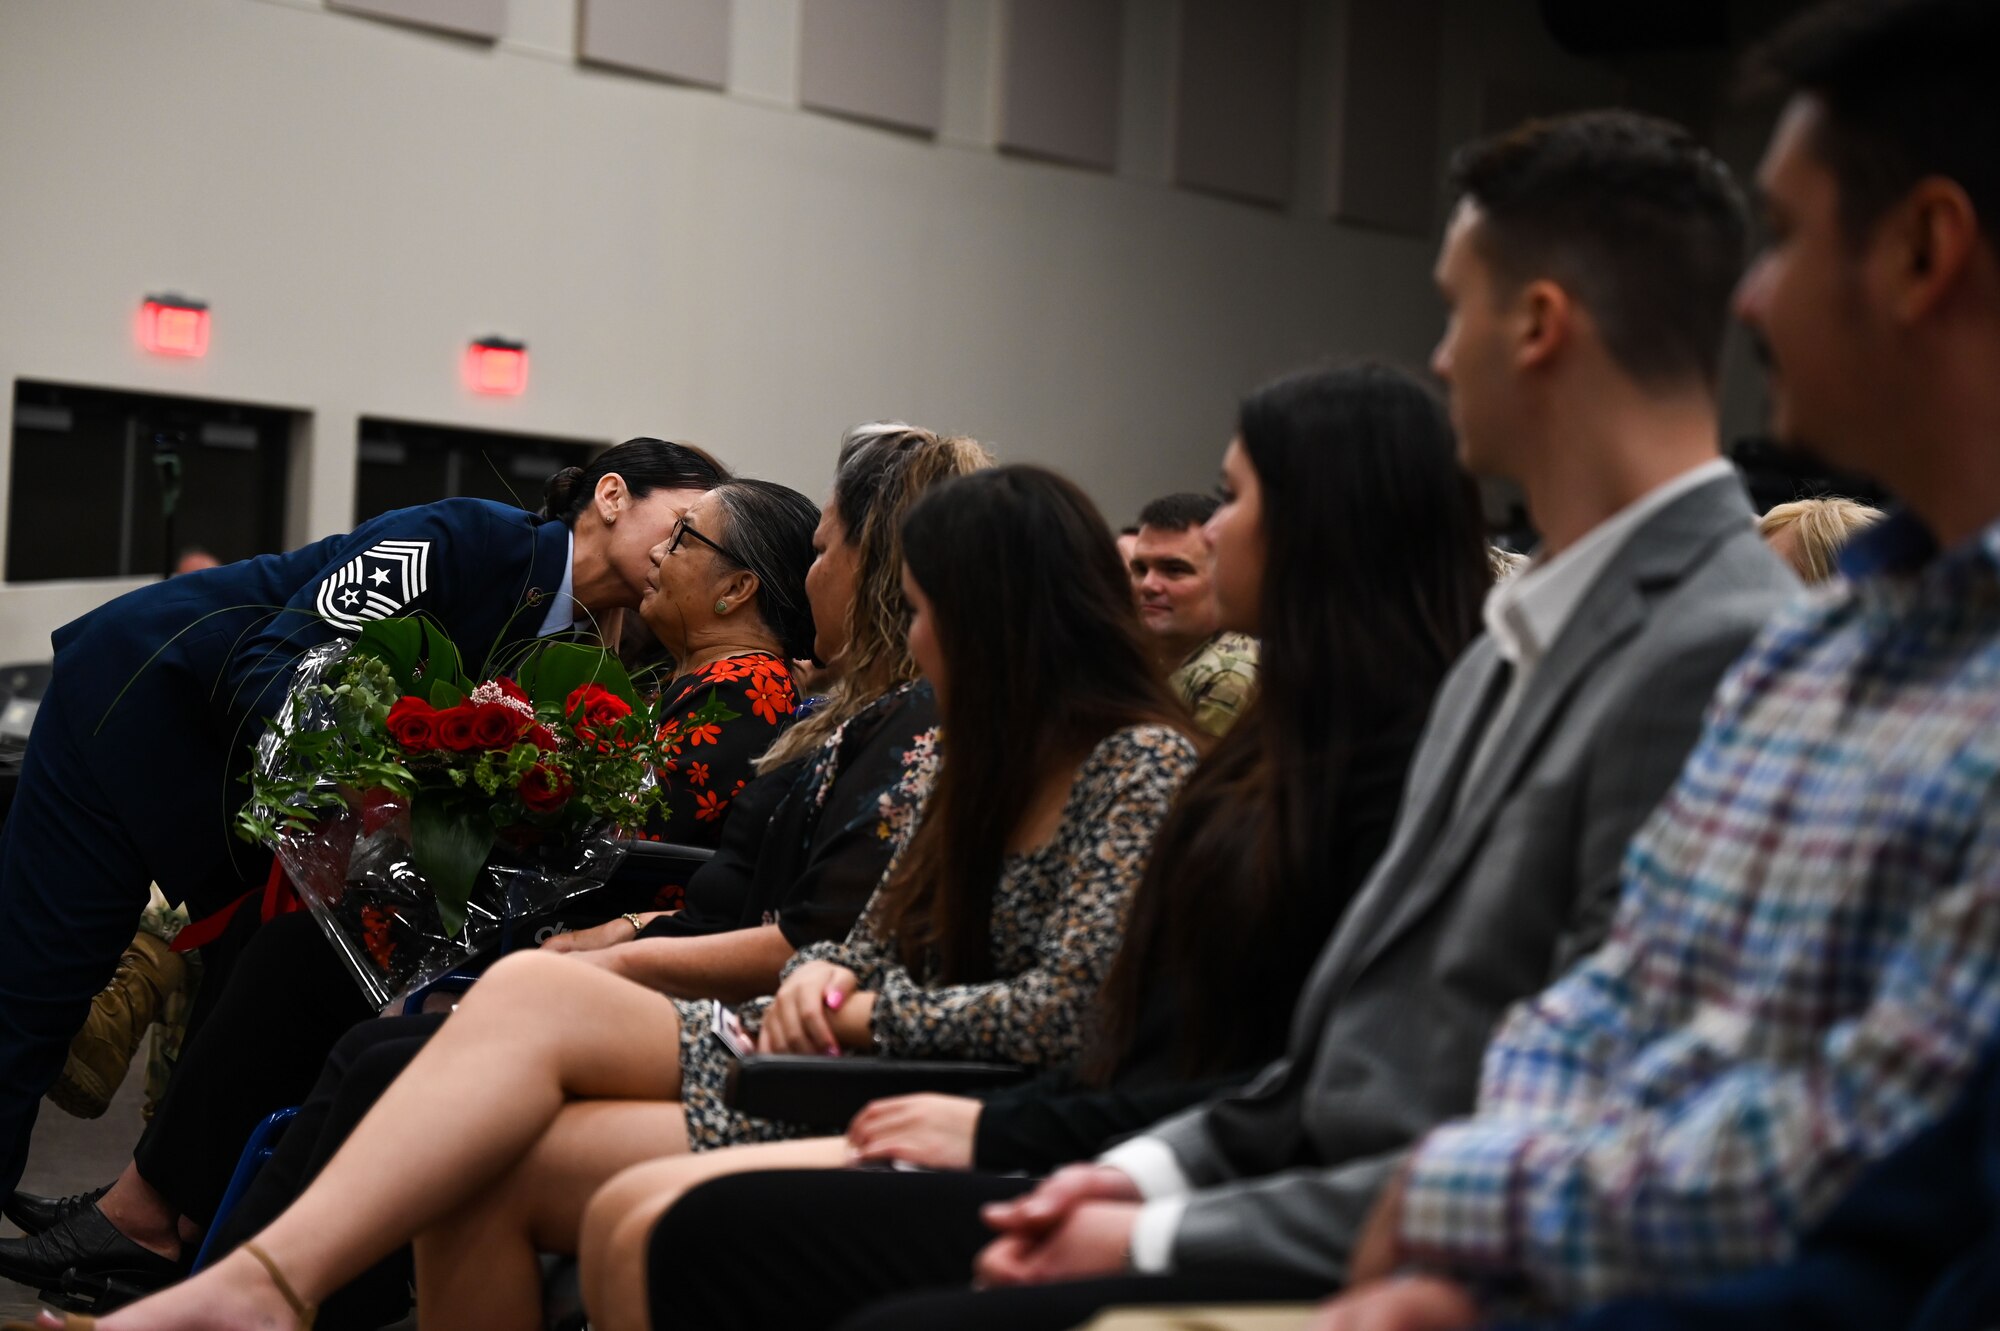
x: 1222, y: 699
x: 1036, y: 1017
x: 409, y: 576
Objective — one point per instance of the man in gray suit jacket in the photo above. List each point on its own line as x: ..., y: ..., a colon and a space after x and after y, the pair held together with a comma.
x: 1588, y: 270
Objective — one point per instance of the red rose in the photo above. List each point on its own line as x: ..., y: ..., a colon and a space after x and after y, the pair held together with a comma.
x: 541, y: 737
x: 454, y: 729
x: 596, y: 712
x: 412, y: 723
x: 495, y: 726
x: 545, y: 789
x: 511, y: 689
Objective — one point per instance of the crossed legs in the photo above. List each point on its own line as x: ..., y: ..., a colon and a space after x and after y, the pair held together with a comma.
x: 539, y: 1032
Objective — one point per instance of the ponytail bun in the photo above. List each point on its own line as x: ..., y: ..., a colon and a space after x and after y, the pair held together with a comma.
x: 796, y: 633
x: 562, y: 492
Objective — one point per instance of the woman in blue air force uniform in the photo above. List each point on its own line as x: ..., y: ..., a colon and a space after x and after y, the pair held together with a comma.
x: 133, y: 769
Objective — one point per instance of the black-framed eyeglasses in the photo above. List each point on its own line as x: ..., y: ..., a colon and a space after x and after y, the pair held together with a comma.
x: 683, y: 528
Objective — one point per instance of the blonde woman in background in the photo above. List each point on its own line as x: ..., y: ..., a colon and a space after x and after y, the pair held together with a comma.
x: 1808, y: 533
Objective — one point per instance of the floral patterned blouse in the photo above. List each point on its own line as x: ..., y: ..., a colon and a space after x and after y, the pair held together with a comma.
x: 1058, y: 917
x: 719, y: 720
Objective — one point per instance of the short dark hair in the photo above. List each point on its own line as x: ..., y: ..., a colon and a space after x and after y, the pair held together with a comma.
x: 1908, y: 91
x: 1640, y: 223
x: 1178, y: 512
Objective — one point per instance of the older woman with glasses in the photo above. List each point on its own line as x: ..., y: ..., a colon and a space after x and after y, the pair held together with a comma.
x: 727, y: 599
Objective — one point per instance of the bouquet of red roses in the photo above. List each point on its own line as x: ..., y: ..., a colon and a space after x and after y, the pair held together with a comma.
x: 421, y: 812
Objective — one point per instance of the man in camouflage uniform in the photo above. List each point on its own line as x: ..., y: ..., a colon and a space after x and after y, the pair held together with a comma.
x: 1173, y: 578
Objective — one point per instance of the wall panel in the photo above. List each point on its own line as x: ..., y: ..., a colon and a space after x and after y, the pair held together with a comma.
x: 470, y: 18
x: 1236, y: 114
x: 879, y: 60
x: 1388, y: 64
x: 1060, y: 89
x: 677, y: 39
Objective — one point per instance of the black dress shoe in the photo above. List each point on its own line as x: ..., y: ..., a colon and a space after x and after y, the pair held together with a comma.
x: 35, y: 1214
x: 84, y: 1244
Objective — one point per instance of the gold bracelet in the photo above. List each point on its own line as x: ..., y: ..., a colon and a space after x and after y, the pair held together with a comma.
x: 638, y: 925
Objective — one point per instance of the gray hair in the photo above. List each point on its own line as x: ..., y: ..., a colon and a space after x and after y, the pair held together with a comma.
x: 768, y: 529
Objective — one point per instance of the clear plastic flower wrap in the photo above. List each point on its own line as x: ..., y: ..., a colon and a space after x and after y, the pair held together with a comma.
x: 334, y: 792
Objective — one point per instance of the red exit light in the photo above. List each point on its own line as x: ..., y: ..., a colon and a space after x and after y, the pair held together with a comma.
x: 496, y: 366
x: 174, y: 326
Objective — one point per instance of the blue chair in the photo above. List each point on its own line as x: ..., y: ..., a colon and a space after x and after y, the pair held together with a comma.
x: 263, y: 1141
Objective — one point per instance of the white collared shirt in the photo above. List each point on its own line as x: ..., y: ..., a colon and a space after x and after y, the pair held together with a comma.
x: 1528, y: 612
x: 562, y: 606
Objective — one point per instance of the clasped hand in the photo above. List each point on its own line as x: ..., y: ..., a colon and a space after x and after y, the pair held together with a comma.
x: 819, y: 1009
x: 1076, y: 1224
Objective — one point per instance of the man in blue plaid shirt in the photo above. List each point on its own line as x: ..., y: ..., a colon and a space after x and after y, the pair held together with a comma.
x: 1805, y: 967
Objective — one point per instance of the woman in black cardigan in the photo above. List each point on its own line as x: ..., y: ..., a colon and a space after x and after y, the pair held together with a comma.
x: 1351, y: 542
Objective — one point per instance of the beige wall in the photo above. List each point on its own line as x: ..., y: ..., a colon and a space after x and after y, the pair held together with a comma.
x: 356, y: 199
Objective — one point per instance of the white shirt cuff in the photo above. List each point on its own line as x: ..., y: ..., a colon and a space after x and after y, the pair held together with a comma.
x: 1153, y: 1236
x: 1151, y: 1165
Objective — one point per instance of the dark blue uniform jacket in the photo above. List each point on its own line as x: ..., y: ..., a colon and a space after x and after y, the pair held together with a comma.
x: 163, y: 691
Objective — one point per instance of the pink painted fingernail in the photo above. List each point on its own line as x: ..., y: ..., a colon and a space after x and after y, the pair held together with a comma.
x: 834, y: 998
x: 833, y: 1051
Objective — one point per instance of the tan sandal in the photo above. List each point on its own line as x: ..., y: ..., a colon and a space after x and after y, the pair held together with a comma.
x: 302, y: 1310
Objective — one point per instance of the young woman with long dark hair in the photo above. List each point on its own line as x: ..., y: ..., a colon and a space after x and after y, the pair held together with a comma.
x: 1351, y: 542
x: 988, y: 939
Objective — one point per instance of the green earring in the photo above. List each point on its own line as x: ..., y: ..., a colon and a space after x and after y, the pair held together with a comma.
x: 722, y: 607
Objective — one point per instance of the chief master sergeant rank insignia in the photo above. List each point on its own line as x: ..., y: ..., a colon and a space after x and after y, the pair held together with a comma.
x: 375, y: 584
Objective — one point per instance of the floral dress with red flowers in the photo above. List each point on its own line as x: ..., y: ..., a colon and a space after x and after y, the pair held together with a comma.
x: 715, y: 723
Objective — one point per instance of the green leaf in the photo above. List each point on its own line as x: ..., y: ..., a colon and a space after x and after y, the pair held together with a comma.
x: 449, y: 841
x: 557, y: 669
x: 419, y: 654
x: 714, y: 710
x: 397, y: 643
x: 441, y: 693
x: 442, y: 663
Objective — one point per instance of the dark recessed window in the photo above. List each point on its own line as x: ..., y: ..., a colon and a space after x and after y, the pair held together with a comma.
x: 402, y: 465
x: 109, y: 484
